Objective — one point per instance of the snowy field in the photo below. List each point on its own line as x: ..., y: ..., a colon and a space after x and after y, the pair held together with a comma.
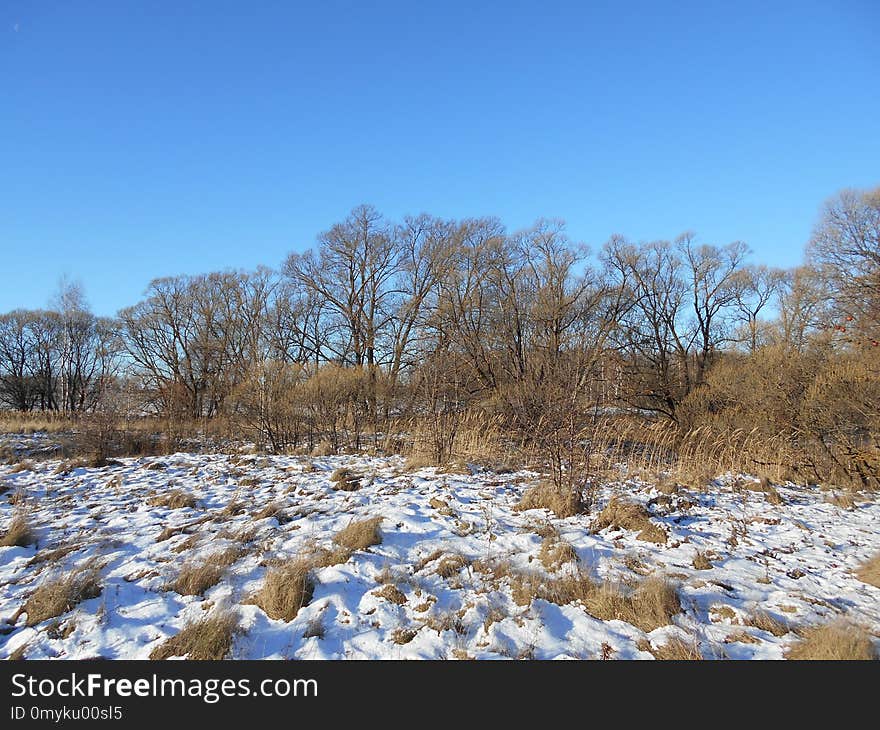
x: 459, y: 573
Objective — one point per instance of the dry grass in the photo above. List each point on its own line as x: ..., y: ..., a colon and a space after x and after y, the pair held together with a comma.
x: 56, y: 596
x: 360, y: 534
x: 175, y: 499
x: 345, y: 480
x: 652, y: 604
x: 391, y: 592
x: 843, y: 500
x: 546, y: 495
x: 675, y: 649
x: 451, y: 565
x: 624, y: 514
x: 837, y: 640
x: 195, y: 578
x: 555, y: 553
x: 766, y: 622
x: 286, y: 590
x: 23, y: 465
x: 207, y: 640
x: 19, y: 533
x: 869, y: 572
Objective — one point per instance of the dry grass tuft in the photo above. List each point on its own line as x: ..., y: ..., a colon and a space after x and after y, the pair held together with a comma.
x: 843, y: 500
x: 869, y: 572
x: 837, y: 640
x: 175, y: 499
x: 207, y: 640
x: 195, y: 578
x: 391, y: 592
x: 624, y: 514
x: 59, y: 595
x: 766, y: 622
x: 556, y: 552
x: 360, y: 535
x: 546, y: 495
x: 345, y: 480
x: 23, y: 465
x: 652, y: 604
x: 19, y: 533
x: 676, y: 649
x: 451, y: 565
x: 286, y: 590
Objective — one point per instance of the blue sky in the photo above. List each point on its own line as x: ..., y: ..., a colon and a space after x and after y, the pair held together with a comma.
x: 143, y: 139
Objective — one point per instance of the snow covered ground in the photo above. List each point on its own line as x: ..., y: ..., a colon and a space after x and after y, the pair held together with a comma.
x: 441, y: 535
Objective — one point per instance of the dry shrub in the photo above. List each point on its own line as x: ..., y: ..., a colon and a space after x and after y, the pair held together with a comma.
x: 555, y: 553
x: 676, y: 649
x: 652, y: 604
x: 194, y: 579
x: 391, y: 592
x: 360, y: 534
x: 869, y: 572
x: 546, y: 495
x: 345, y: 480
x: 56, y: 596
x: 207, y: 640
x: 835, y: 640
x: 285, y: 591
x: 451, y: 565
x: 19, y: 533
x: 624, y: 514
x: 766, y: 622
x: 175, y: 499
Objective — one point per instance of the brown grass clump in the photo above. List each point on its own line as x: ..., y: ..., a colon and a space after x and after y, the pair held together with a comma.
x: 360, y: 535
x: 19, y: 533
x: 285, y: 591
x: 546, y: 495
x: 175, y: 499
x: 59, y: 595
x: 652, y: 604
x: 555, y: 553
x: 869, y: 572
x: 403, y: 636
x: 676, y: 649
x: 195, y: 579
x: 391, y: 592
x: 765, y: 487
x: 837, y: 640
x: 23, y: 465
x: 843, y: 500
x: 765, y: 622
x: 207, y: 640
x: 624, y: 514
x: 345, y: 480
x: 451, y: 565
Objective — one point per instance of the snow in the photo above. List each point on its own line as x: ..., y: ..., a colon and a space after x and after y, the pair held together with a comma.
x: 795, y: 561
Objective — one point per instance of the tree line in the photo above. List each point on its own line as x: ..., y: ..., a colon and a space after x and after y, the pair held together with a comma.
x: 432, y: 318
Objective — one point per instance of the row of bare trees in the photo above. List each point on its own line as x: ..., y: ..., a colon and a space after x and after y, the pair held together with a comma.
x: 430, y: 318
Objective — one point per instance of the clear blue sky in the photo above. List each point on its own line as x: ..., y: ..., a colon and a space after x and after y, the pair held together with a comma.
x: 142, y: 139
